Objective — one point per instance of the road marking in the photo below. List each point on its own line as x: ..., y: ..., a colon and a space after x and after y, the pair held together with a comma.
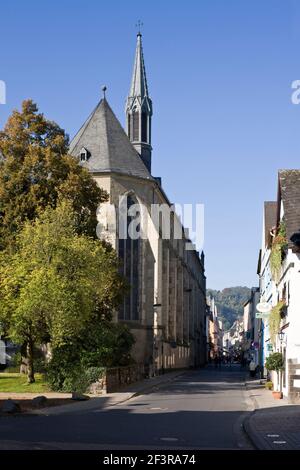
x: 168, y: 439
x: 272, y: 435
x: 279, y: 442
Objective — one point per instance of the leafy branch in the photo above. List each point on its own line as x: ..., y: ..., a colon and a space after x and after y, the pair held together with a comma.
x: 278, y: 249
x: 275, y: 319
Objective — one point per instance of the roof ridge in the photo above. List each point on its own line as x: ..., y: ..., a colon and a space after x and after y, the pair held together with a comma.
x: 105, y: 106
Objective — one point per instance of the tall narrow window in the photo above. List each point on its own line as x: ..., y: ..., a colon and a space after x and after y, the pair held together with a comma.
x: 129, y: 254
x: 144, y: 128
x: 135, y: 126
x: 129, y: 127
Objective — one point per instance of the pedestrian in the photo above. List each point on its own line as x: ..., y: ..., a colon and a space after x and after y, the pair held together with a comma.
x: 252, y: 368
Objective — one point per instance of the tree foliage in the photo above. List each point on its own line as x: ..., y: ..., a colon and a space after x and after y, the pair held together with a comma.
x: 36, y: 170
x: 57, y: 284
x: 274, y: 320
x: 279, y: 245
x: 73, y: 365
x: 275, y: 362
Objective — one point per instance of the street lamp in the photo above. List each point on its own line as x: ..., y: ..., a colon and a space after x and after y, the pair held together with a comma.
x: 281, y: 335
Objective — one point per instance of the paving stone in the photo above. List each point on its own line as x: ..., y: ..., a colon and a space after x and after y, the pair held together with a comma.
x: 275, y: 424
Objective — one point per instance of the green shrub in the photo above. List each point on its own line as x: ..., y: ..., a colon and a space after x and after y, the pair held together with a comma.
x: 76, y: 365
x: 14, y: 363
x: 269, y: 385
x: 275, y: 362
x: 72, y: 379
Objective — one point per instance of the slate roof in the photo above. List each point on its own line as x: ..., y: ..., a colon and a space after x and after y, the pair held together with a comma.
x: 289, y: 192
x: 270, y: 219
x: 108, y: 145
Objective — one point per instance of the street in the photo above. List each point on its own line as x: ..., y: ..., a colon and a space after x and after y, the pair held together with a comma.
x: 202, y: 409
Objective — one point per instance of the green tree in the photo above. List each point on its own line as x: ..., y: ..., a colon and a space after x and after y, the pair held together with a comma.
x: 275, y: 362
x: 36, y: 170
x: 57, y: 284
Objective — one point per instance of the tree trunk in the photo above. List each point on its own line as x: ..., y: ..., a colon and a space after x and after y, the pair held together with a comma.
x: 30, y: 370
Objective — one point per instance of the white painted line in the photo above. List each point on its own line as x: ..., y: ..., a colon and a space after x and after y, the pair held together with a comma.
x: 279, y: 442
x: 272, y: 435
x: 168, y: 439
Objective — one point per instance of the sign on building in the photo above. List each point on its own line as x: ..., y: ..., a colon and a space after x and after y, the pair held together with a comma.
x: 261, y: 315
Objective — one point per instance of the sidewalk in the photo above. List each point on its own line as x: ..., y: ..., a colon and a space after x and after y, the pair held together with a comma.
x: 111, y: 399
x: 274, y: 424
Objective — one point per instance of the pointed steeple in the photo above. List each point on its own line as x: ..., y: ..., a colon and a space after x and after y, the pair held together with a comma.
x: 139, y: 108
x: 139, y: 85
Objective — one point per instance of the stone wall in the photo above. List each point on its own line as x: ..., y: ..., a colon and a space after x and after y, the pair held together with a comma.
x: 293, y: 381
x: 116, y: 378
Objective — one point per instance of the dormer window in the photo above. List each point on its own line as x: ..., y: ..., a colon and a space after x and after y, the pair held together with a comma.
x: 84, y: 154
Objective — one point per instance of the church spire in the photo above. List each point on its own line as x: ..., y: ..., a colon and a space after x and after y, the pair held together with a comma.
x: 139, y: 108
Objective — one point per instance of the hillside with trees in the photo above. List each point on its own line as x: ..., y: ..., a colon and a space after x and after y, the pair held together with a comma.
x: 230, y: 303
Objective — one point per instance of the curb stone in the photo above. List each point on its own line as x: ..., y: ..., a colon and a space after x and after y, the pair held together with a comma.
x: 88, y: 405
x: 251, y: 436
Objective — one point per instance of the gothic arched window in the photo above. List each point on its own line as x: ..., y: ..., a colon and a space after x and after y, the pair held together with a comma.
x: 144, y: 127
x: 129, y: 254
x: 135, y: 126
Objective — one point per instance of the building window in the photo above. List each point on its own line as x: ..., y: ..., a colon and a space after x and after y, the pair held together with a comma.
x: 129, y: 127
x: 144, y: 127
x: 129, y: 254
x: 84, y: 154
x: 135, y: 126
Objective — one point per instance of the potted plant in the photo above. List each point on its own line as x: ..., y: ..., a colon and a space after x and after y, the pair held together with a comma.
x: 275, y: 362
x: 269, y: 385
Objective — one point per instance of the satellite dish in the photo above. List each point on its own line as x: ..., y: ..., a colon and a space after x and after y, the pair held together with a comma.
x: 263, y: 307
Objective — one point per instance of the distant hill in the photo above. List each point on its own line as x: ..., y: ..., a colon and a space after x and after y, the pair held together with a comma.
x: 230, y: 303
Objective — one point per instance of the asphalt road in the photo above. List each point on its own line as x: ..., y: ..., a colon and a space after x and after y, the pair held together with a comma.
x: 201, y: 409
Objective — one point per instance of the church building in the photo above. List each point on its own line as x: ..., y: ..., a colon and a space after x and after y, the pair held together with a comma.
x: 165, y: 307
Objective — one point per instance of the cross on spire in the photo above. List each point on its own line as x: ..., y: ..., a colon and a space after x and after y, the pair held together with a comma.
x: 104, y: 88
x: 139, y: 25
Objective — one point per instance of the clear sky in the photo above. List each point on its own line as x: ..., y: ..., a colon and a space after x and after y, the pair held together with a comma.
x: 219, y: 74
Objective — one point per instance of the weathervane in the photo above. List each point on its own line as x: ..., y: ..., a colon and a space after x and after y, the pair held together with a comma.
x: 139, y: 25
x: 104, y: 88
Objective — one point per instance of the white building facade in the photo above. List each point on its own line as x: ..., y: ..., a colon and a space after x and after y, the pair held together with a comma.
x: 282, y: 288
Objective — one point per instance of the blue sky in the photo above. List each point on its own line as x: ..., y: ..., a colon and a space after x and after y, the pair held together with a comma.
x: 219, y: 74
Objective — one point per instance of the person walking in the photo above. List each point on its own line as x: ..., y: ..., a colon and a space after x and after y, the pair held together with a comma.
x: 252, y: 368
